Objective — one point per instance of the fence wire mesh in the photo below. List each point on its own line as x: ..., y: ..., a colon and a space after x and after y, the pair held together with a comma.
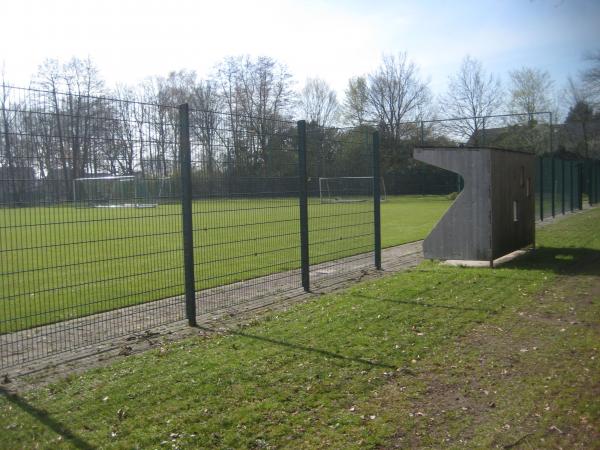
x: 91, y: 204
x: 245, y: 207
x: 564, y: 185
x: 89, y: 221
x: 94, y: 194
x: 340, y: 200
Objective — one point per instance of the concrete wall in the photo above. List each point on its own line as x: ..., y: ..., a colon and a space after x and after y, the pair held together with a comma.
x: 464, y: 232
x: 480, y: 224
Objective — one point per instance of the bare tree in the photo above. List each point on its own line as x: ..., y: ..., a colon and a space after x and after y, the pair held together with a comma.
x: 356, y: 101
x: 127, y: 128
x: 579, y: 127
x: 396, y: 95
x: 49, y: 78
x: 260, y: 91
x: 231, y: 136
x: 71, y: 89
x: 472, y: 95
x: 265, y: 94
x: 591, y: 78
x: 83, y: 82
x: 530, y: 91
x: 574, y: 92
x: 206, y: 121
x: 318, y: 103
x: 162, y: 146
x: 134, y: 128
x: 7, y: 155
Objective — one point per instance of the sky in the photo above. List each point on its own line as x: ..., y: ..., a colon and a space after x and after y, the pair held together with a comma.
x: 333, y: 40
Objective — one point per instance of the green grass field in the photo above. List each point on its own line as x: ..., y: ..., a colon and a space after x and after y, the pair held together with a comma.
x: 63, y: 262
x: 434, y: 357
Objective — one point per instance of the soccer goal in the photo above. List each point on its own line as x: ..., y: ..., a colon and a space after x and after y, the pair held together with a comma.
x: 127, y: 191
x: 348, y: 189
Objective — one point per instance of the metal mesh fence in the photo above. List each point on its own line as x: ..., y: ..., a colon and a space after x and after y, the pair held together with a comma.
x: 340, y: 200
x: 245, y: 208
x: 592, y: 183
x: 72, y: 269
x: 548, y: 183
x: 565, y: 185
x: 119, y: 216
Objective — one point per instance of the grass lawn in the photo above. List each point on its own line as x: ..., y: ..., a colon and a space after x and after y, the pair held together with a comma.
x: 63, y: 262
x: 434, y: 357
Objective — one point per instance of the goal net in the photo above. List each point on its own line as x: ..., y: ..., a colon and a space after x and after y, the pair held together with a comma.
x: 120, y: 191
x: 348, y: 189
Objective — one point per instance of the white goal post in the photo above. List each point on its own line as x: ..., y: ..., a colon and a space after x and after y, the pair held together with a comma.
x: 348, y: 189
x: 119, y: 191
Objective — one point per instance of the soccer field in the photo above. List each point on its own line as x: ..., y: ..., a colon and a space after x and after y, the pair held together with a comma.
x: 62, y: 262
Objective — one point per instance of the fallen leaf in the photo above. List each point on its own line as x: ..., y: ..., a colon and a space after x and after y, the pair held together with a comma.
x: 555, y: 428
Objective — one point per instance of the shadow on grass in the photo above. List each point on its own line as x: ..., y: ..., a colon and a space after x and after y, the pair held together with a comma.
x: 427, y: 305
x: 43, y: 417
x: 304, y: 348
x: 560, y: 260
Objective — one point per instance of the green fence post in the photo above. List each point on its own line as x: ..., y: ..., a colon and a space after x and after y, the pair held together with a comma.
x: 572, y: 192
x: 596, y: 180
x: 553, y: 195
x: 591, y: 192
x: 186, y: 213
x: 580, y: 170
x: 562, y: 185
x: 594, y: 184
x: 588, y: 171
x: 377, y: 200
x: 551, y: 143
x: 541, y: 181
x: 593, y: 180
x: 303, y: 203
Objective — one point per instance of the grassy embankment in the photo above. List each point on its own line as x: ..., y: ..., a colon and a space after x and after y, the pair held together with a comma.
x: 434, y: 357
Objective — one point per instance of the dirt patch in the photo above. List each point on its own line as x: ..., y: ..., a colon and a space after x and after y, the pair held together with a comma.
x: 527, y: 380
